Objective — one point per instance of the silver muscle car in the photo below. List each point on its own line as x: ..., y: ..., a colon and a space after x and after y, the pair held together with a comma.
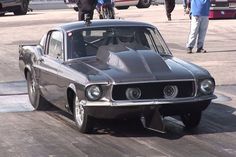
x: 114, y: 69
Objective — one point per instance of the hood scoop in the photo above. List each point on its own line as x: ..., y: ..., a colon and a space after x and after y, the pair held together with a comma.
x: 131, y: 60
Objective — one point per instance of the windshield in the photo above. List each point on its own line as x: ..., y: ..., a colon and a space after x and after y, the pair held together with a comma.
x: 87, y: 42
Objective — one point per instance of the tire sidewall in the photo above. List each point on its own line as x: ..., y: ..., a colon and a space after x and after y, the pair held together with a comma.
x: 33, y: 97
x: 23, y: 8
x: 144, y: 4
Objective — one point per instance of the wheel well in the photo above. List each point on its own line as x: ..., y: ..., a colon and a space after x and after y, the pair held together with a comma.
x: 70, y: 98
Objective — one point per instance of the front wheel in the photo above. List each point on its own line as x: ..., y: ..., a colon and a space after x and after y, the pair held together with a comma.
x: 191, y: 120
x: 144, y: 3
x: 23, y: 8
x: 83, y: 121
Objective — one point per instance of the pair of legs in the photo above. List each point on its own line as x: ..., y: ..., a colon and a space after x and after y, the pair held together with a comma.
x: 185, y: 4
x: 199, y: 25
x: 81, y: 15
x: 169, y: 5
x: 106, y: 10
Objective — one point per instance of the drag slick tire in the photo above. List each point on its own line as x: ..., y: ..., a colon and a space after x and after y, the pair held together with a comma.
x: 191, y: 120
x: 36, y: 100
x: 83, y: 121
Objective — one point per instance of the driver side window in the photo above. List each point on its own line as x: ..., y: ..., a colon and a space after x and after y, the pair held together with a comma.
x: 55, y: 45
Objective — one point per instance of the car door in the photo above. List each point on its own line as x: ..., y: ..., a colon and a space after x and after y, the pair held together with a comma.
x: 49, y: 64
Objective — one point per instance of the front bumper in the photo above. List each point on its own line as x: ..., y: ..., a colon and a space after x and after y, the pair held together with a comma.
x: 126, y: 109
x: 138, y: 111
x: 147, y: 102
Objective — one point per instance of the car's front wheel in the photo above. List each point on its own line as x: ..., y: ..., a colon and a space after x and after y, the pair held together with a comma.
x: 37, y: 101
x: 191, y: 120
x: 83, y: 121
x: 144, y: 3
x: 23, y: 8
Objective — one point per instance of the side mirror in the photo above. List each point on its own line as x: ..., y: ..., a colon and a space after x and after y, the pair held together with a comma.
x: 39, y: 53
x: 39, y: 50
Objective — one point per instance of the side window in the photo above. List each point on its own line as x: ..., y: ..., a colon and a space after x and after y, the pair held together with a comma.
x: 154, y: 41
x: 55, y: 45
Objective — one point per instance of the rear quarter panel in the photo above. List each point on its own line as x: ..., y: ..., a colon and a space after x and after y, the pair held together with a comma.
x: 26, y: 56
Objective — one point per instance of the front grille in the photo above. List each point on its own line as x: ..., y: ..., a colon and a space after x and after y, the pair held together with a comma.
x: 154, y: 90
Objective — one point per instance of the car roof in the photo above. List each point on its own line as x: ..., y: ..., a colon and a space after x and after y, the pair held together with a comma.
x: 101, y: 23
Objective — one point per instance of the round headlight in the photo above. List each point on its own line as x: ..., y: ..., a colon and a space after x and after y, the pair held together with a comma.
x: 207, y: 86
x: 170, y: 92
x: 93, y: 92
x: 133, y: 93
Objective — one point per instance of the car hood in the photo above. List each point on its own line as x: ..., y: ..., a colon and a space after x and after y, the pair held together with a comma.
x: 135, y: 66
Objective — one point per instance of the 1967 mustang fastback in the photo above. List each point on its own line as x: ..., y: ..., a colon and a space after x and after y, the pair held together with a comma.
x: 114, y: 69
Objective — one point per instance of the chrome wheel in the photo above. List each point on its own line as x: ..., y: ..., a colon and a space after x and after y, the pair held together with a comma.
x: 36, y: 100
x: 79, y: 112
x: 82, y: 120
x: 31, y: 89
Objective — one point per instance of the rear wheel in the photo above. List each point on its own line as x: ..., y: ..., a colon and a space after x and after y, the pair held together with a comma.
x: 83, y: 121
x: 191, y: 120
x: 23, y: 8
x: 76, y: 9
x: 36, y: 100
x: 122, y: 7
x: 144, y: 3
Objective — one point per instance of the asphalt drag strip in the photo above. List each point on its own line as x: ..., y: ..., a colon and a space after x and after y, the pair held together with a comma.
x: 14, y: 97
x: 53, y: 133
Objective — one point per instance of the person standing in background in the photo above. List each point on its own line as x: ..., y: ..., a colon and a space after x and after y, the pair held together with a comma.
x: 86, y: 7
x: 186, y: 6
x: 169, y: 5
x: 199, y: 24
